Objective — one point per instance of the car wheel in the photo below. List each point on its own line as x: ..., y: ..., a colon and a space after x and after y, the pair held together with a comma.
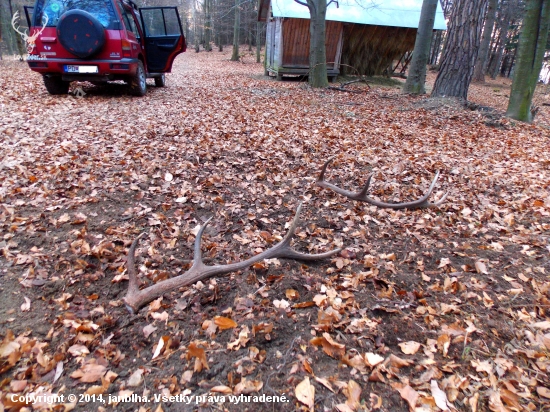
x: 80, y: 33
x: 54, y: 85
x: 160, y: 81
x: 138, y: 82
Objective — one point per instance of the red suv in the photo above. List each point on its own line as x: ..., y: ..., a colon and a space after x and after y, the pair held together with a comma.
x: 103, y: 40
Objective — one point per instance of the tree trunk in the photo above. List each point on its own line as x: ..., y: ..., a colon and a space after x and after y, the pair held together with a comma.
x: 417, y: 72
x: 501, y: 43
x: 207, y: 25
x: 481, y: 62
x: 531, y: 48
x: 236, y: 30
x: 196, y: 37
x: 317, y: 48
x: 439, y: 37
x: 461, y: 47
x: 9, y: 40
x: 258, y: 41
x: 436, y: 47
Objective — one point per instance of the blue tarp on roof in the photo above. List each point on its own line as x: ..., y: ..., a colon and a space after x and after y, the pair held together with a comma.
x: 396, y: 13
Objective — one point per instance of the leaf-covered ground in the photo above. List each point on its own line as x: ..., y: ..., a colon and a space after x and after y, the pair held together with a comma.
x: 424, y: 310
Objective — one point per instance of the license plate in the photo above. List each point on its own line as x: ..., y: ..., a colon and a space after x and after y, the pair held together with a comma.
x: 81, y: 69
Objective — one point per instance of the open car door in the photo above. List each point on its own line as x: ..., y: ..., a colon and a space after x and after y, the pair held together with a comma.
x: 29, y: 15
x: 164, y: 38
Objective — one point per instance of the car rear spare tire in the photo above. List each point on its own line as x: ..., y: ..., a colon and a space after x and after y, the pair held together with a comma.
x: 80, y: 33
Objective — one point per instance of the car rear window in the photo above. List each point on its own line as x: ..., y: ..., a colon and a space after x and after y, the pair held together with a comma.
x: 102, y: 10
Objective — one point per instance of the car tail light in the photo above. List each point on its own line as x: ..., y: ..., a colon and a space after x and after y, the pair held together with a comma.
x: 126, y: 48
x: 117, y: 66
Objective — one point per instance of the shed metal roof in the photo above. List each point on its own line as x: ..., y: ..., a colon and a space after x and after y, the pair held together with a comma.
x: 396, y: 13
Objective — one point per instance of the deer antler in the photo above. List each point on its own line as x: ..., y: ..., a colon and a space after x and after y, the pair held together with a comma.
x: 136, y: 298
x: 362, y: 195
x: 30, y: 40
x: 14, y: 19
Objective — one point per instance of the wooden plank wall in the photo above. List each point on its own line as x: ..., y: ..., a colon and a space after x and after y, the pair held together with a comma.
x: 296, y: 42
x: 370, y: 50
x: 270, y: 43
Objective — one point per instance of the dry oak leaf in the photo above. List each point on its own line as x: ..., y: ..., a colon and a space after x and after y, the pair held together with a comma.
x: 330, y: 347
x: 443, y: 343
x: 357, y: 362
x: 18, y: 386
x: 397, y: 362
x: 495, y: 403
x: 375, y: 401
x: 162, y: 341
x: 281, y: 304
x: 8, y: 346
x: 186, y: 377
x: 544, y: 392
x: 372, y: 359
x: 193, y: 351
x: 25, y: 307
x: 342, y: 407
x: 97, y: 389
x: 247, y: 387
x: 510, y: 398
x: 305, y: 393
x: 354, y: 395
x: 209, y: 328
x: 410, y: 347
x: 263, y: 327
x: 481, y: 268
x: 147, y: 330
x: 90, y: 372
x: 136, y: 378
x: 325, y: 382
x: 407, y: 393
x: 222, y: 389
x: 292, y: 294
x: 439, y: 396
x: 224, y: 323
x: 78, y: 350
x: 482, y: 366
x: 473, y: 401
x: 320, y: 300
x: 241, y: 341
x: 155, y: 305
x: 121, y: 396
x: 541, y: 325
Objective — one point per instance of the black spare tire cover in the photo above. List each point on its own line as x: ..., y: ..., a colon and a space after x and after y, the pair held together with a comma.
x: 80, y: 33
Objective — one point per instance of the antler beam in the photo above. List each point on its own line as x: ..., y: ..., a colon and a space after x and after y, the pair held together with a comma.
x: 136, y: 298
x: 362, y: 195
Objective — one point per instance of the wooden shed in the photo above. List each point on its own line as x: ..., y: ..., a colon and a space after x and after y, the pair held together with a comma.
x: 362, y: 36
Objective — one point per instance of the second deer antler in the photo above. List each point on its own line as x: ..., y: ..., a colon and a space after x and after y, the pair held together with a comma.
x: 362, y: 195
x: 136, y: 298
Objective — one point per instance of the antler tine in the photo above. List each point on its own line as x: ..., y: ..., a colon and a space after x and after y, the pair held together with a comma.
x: 321, y: 177
x: 289, y: 253
x: 15, y: 17
x: 197, y: 253
x: 136, y: 298
x: 363, y: 197
x: 321, y: 182
x: 133, y: 284
x: 363, y: 193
